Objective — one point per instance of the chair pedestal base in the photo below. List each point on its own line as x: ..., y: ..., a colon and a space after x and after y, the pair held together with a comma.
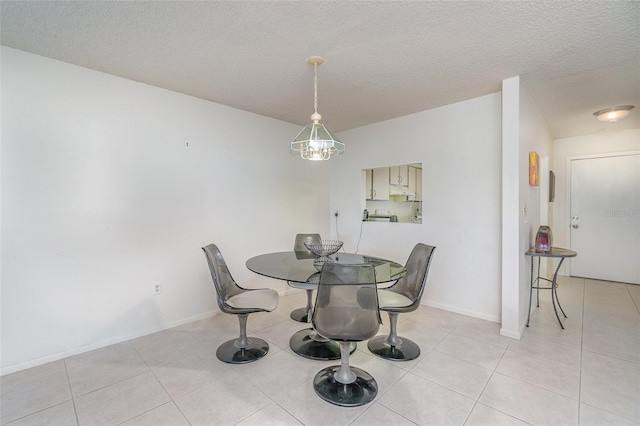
x: 405, y: 351
x: 309, y: 344
x: 360, y: 392
x: 230, y: 353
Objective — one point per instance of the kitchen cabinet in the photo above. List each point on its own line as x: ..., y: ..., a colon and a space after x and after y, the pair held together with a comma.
x: 415, y: 184
x: 377, y: 184
x: 399, y: 175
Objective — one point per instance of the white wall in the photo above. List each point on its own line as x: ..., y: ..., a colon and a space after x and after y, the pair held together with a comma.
x: 102, y: 196
x: 534, y: 136
x: 566, y: 148
x: 459, y: 148
x: 524, y: 130
x: 511, y: 209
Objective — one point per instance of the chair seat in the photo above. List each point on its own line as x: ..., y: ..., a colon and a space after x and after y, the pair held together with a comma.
x: 391, y: 299
x: 265, y: 299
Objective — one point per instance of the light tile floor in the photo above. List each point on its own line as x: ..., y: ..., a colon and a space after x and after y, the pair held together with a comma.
x: 467, y: 374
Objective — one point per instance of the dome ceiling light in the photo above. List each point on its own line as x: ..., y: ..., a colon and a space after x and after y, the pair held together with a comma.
x: 613, y: 114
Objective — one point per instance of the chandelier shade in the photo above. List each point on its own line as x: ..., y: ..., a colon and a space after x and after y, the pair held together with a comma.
x: 316, y: 142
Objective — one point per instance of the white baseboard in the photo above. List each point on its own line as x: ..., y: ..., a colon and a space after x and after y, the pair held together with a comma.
x: 513, y: 334
x: 457, y: 310
x: 102, y: 343
x: 517, y: 334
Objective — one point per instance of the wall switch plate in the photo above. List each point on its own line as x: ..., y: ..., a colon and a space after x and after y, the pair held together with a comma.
x: 157, y: 288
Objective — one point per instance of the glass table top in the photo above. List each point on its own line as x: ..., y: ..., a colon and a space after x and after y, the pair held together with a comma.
x: 554, y: 252
x: 298, y: 266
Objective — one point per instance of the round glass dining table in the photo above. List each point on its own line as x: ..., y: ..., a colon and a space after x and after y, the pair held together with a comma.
x: 299, y: 267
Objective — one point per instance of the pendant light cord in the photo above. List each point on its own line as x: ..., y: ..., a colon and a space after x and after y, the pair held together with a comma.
x: 315, y: 88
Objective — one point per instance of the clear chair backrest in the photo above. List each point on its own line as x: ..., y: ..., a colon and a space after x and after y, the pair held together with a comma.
x: 225, y: 286
x: 346, y: 306
x: 302, y: 252
x: 413, y: 283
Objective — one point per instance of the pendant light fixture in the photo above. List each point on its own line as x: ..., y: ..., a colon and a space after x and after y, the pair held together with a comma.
x: 316, y: 142
x: 613, y: 114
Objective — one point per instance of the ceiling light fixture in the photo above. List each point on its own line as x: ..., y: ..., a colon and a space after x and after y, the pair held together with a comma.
x: 613, y: 114
x: 316, y: 141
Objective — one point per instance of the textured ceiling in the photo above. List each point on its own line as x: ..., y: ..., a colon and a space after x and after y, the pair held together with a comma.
x: 383, y: 59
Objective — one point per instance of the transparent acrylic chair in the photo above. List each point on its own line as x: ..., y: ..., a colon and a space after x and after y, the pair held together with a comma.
x: 346, y: 311
x: 235, y: 300
x: 303, y: 314
x: 403, y: 296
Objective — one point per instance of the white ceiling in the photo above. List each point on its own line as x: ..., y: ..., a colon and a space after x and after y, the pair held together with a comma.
x: 383, y: 59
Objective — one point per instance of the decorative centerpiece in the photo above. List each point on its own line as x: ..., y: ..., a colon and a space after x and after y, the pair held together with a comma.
x: 323, y: 249
x: 544, y: 239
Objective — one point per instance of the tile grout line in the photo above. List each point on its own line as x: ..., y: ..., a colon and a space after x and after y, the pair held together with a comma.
x: 73, y: 398
x: 161, y: 385
x: 622, y: 416
x: 531, y: 384
x: 632, y: 299
x: 285, y: 410
x: 379, y: 396
x: 433, y: 349
x: 584, y: 290
x: 407, y: 372
x: 390, y: 409
x: 484, y: 388
x: 606, y: 355
x: 475, y: 403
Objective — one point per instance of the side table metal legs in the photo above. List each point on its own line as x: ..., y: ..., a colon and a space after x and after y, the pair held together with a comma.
x: 554, y: 292
x: 535, y: 283
x: 531, y: 292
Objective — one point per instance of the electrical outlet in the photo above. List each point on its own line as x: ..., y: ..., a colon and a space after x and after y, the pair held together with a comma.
x: 157, y: 288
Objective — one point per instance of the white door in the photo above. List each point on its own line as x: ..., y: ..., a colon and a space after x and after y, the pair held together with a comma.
x: 605, y: 218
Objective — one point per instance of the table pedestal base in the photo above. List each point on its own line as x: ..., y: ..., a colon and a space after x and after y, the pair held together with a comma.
x: 300, y: 315
x: 309, y: 344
